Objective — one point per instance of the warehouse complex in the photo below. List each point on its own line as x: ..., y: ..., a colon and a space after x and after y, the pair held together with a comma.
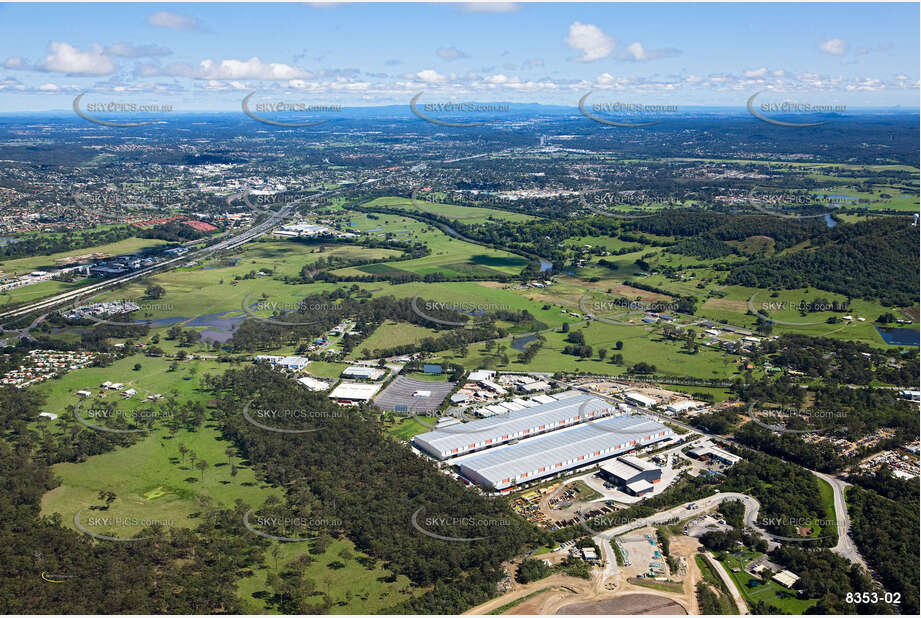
x: 570, y: 408
x: 559, y: 451
x: 707, y: 451
x: 636, y: 476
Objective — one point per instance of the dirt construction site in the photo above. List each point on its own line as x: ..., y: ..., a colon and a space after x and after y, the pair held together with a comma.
x: 608, y: 591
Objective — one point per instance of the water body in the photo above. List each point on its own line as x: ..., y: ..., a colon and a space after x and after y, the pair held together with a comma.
x: 899, y: 336
x: 829, y: 221
x: 521, y: 344
x: 846, y: 198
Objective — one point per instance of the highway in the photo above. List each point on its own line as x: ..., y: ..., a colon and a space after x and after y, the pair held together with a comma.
x: 845, y: 546
x: 97, y: 288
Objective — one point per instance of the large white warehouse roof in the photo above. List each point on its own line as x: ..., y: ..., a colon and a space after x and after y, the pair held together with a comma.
x: 561, y: 450
x: 515, y: 425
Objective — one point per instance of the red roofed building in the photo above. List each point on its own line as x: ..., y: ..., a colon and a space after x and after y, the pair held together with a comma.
x: 201, y: 226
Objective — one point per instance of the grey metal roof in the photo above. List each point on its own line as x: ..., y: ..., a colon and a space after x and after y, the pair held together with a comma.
x: 621, y: 469
x: 606, y: 437
x: 515, y: 425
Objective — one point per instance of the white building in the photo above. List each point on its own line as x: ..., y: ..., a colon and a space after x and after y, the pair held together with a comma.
x: 313, y: 384
x: 640, y: 399
x: 683, y: 406
x: 351, y: 392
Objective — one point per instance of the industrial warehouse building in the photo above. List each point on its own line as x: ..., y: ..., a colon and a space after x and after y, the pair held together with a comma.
x: 634, y: 475
x: 353, y: 393
x: 708, y: 451
x: 514, y: 425
x: 561, y: 451
x: 362, y: 372
x: 639, y: 399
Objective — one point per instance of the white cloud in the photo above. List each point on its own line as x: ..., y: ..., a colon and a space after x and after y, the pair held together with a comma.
x: 173, y: 21
x: 450, y: 53
x: 488, y: 7
x: 835, y: 47
x: 638, y: 53
x: 590, y: 40
x: 227, y: 69
x: 762, y: 72
x: 14, y: 62
x: 64, y: 58
x: 430, y: 76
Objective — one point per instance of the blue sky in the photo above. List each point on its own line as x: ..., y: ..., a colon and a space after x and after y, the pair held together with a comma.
x: 208, y: 56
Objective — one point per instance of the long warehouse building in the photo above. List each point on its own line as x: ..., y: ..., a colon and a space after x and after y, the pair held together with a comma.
x: 526, y: 461
x: 489, y: 432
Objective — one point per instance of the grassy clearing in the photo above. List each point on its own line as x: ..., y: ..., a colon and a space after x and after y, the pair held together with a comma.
x: 770, y: 593
x: 390, y: 334
x: 583, y: 492
x: 153, y: 377
x: 152, y: 481
x: 352, y: 589
x: 406, y: 427
x: 467, y: 214
x: 448, y: 255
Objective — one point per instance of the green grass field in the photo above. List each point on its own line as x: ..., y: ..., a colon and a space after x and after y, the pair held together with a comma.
x: 353, y: 588
x: 448, y: 255
x: 152, y: 482
x: 466, y: 214
x: 153, y: 377
x: 407, y: 427
x: 390, y: 334
x: 771, y: 592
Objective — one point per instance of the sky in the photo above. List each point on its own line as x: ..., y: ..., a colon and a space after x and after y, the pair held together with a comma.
x: 203, y: 56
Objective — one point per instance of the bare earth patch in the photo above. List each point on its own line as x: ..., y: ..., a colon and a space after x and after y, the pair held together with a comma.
x: 724, y: 304
x: 629, y: 604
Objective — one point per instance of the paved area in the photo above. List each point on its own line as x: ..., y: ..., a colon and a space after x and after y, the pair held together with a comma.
x: 730, y: 585
x: 400, y: 393
x: 846, y: 546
